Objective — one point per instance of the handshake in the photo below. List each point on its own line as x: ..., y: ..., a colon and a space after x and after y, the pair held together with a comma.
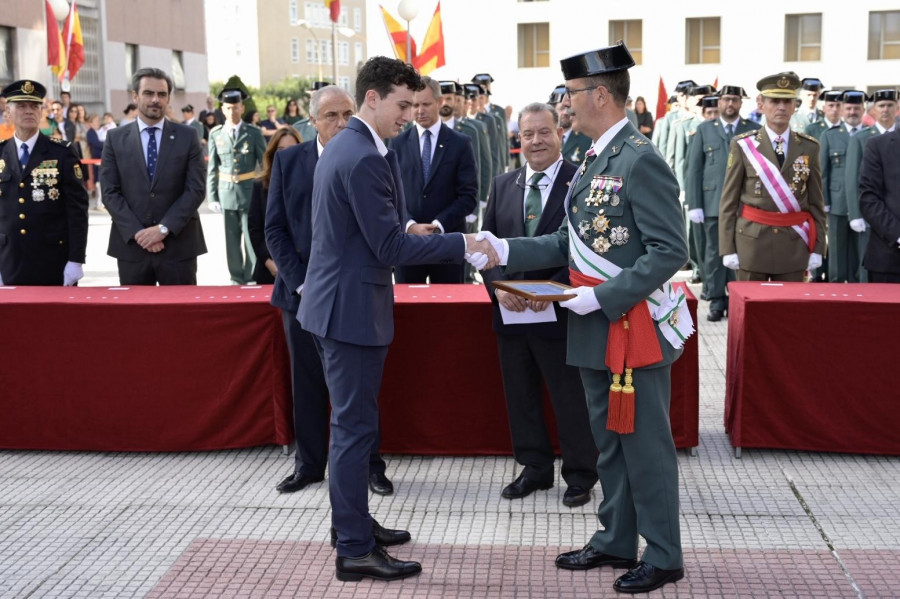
x: 484, y: 250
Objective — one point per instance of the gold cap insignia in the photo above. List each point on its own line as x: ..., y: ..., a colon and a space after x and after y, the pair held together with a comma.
x: 783, y: 82
x: 28, y: 87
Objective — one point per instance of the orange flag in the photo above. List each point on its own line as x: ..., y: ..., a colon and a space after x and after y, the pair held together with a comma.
x: 56, y: 51
x: 432, y: 55
x: 74, y: 43
x: 398, y: 34
x: 661, y: 99
x: 334, y: 6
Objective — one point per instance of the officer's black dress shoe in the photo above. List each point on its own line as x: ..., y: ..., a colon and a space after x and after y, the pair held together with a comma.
x: 643, y: 578
x: 297, y: 481
x: 715, y: 315
x: 587, y: 557
x: 376, y: 564
x: 523, y: 487
x: 380, y: 484
x: 575, y: 496
x: 696, y: 278
x: 383, y: 536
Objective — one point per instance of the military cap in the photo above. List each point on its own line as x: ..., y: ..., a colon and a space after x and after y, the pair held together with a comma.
x: 482, y: 78
x: 685, y: 86
x: 781, y: 85
x: 448, y: 87
x: 596, y: 62
x: 24, y: 91
x: 557, y: 95
x: 831, y: 95
x: 702, y: 90
x: 672, y: 100
x: 471, y: 90
x: 885, y: 95
x: 232, y: 95
x: 710, y: 102
x: 812, y: 84
x: 187, y: 108
x: 317, y: 85
x: 853, y: 96
x: 732, y: 90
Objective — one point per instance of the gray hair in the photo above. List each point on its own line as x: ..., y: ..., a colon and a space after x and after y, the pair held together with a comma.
x: 152, y: 74
x: 434, y: 86
x: 326, y: 92
x: 618, y: 83
x: 537, y: 107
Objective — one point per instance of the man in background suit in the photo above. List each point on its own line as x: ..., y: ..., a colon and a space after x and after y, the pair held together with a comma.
x: 879, y: 202
x: 529, y: 202
x: 348, y: 299
x: 289, y: 238
x: 151, y: 177
x: 440, y: 182
x: 188, y: 113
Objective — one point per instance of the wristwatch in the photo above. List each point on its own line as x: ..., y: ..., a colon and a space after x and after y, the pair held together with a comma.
x: 163, y: 229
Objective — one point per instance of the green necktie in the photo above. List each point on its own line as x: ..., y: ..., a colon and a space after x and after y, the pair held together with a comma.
x: 533, y: 204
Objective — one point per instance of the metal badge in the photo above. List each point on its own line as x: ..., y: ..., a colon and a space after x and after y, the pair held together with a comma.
x: 53, y: 194
x: 600, y: 224
x: 619, y: 235
x: 37, y: 195
x: 584, y: 229
x: 601, y: 245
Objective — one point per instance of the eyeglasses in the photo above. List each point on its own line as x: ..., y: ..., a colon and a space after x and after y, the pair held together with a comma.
x: 569, y: 92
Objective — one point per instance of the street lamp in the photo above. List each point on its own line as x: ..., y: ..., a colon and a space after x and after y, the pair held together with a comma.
x: 305, y: 24
x: 408, y: 10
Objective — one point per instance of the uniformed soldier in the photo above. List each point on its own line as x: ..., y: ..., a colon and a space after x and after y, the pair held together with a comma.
x: 189, y: 120
x: 664, y: 128
x: 704, y: 178
x: 772, y: 213
x: 43, y: 201
x: 574, y: 144
x: 476, y: 105
x: 304, y: 126
x: 807, y: 113
x: 235, y: 153
x: 485, y: 80
x: 449, y: 92
x: 843, y: 242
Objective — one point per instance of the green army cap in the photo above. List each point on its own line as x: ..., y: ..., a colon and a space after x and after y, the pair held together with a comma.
x: 781, y: 85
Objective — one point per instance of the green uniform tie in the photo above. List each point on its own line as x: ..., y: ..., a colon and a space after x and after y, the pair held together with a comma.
x: 533, y: 204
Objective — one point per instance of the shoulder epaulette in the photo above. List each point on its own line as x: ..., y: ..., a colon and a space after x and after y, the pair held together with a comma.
x: 745, y: 134
x: 639, y: 142
x: 807, y: 136
x: 61, y: 142
x: 216, y: 128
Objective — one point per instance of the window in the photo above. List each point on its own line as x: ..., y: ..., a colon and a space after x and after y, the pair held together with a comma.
x: 358, y: 53
x: 325, y: 49
x: 344, y: 83
x: 295, y: 50
x: 293, y: 12
x: 6, y: 55
x: 534, y: 45
x: 357, y: 19
x: 803, y: 37
x: 702, y: 38
x: 884, y: 35
x: 630, y: 32
x: 311, y: 57
x: 343, y: 19
x: 343, y: 53
x: 178, y: 69
x: 131, y: 62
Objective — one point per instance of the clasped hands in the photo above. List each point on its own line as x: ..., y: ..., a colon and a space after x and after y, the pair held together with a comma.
x: 484, y: 250
x: 150, y: 239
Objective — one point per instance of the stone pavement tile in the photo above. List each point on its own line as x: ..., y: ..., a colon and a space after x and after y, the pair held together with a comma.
x: 877, y: 573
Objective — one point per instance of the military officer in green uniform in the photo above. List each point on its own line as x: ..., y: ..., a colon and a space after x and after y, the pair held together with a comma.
x: 623, y: 240
x: 235, y: 153
x: 476, y: 102
x: 450, y: 90
x: 831, y: 114
x: 574, y: 144
x: 664, y: 128
x: 704, y: 178
x: 305, y: 126
x: 499, y: 113
x: 807, y: 113
x: 43, y: 202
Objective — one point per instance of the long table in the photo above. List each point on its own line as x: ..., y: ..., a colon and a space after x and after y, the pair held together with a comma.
x: 814, y: 367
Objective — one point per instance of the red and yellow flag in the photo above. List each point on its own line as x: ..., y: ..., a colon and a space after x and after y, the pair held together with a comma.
x: 432, y: 55
x: 662, y: 99
x: 74, y: 43
x: 56, y: 51
x: 334, y: 6
x: 398, y: 34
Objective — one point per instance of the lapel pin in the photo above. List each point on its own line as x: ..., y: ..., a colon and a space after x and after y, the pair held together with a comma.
x: 171, y: 137
x: 440, y: 145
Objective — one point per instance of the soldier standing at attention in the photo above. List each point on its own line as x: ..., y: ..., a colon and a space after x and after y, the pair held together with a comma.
x: 807, y: 113
x: 235, y: 152
x: 574, y: 144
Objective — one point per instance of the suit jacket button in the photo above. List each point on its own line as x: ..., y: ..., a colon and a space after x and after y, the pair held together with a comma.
x: 60, y: 242
x: 21, y: 217
x: 22, y: 231
x: 21, y: 200
x: 22, y: 185
x: 152, y: 195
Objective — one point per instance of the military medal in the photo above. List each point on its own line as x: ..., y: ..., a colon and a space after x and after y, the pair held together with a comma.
x: 53, y: 194
x: 595, y: 199
x: 757, y: 189
x: 601, y: 245
x: 619, y: 236
x: 245, y: 149
x: 2, y: 165
x: 584, y: 229
x: 37, y: 195
x: 600, y: 223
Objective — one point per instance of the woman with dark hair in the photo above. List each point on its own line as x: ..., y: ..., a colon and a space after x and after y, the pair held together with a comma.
x: 264, y: 272
x: 292, y: 112
x: 644, y: 118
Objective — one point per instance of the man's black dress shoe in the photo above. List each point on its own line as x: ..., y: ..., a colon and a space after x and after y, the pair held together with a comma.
x: 297, y: 481
x: 575, y: 496
x: 383, y: 536
x: 523, y: 487
x: 380, y: 484
x: 376, y: 564
x: 643, y: 578
x: 696, y: 278
x: 587, y: 557
x: 715, y: 315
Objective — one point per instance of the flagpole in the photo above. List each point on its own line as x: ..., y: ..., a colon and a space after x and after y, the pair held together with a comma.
x: 408, y: 10
x: 334, y: 53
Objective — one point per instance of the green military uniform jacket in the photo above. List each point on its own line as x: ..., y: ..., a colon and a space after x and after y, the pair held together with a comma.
x: 575, y: 147
x: 817, y: 129
x: 306, y: 129
x: 707, y: 156
x: 494, y: 141
x: 800, y: 120
x: 233, y: 165
x: 683, y: 137
x: 761, y: 248
x: 662, y: 129
x: 833, y: 155
x: 851, y: 174
x: 678, y: 121
x: 482, y: 154
x: 500, y: 114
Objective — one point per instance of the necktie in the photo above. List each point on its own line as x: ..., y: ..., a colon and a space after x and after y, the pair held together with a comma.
x: 426, y: 154
x: 853, y: 132
x: 533, y: 204
x: 152, y: 152
x: 779, y: 150
x: 812, y: 117
x: 23, y: 158
x: 729, y: 131
x: 234, y: 133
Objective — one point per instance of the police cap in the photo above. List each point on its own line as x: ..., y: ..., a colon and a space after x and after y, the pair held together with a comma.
x: 596, y: 62
x: 24, y: 91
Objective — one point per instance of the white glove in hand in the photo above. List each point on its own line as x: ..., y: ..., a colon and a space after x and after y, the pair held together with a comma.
x: 858, y: 225
x: 1, y: 280
x: 696, y: 215
x: 815, y: 261
x: 731, y: 261
x: 216, y: 207
x: 500, y: 245
x: 478, y: 260
x: 584, y: 301
x: 72, y: 273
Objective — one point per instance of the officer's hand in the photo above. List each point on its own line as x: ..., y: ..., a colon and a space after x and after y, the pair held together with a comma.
x: 584, y: 301
x: 696, y: 215
x: 731, y: 261
x: 858, y: 225
x: 270, y: 266
x: 216, y: 207
x: 815, y: 261
x: 511, y: 302
x: 72, y: 273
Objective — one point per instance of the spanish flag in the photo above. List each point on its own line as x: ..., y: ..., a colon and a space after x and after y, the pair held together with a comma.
x: 56, y: 51
x: 432, y: 55
x: 662, y: 99
x: 335, y: 7
x: 74, y: 43
x: 398, y: 36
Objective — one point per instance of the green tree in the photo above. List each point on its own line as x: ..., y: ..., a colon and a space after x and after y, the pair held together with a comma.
x: 277, y: 94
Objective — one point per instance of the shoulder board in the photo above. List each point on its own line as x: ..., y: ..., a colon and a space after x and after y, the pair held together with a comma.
x: 745, y: 134
x: 61, y: 142
x: 803, y: 135
x: 252, y: 126
x: 639, y: 143
x: 216, y: 128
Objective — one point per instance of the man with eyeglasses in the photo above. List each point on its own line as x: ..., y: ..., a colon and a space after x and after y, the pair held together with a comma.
x: 574, y: 144
x: 529, y: 202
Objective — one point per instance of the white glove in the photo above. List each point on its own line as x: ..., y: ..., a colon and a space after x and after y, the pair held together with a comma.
x: 478, y: 260
x: 1, y: 280
x: 858, y: 225
x: 827, y: 208
x: 731, y: 261
x: 500, y: 245
x: 696, y: 215
x: 72, y: 273
x: 815, y: 261
x: 584, y: 301
x: 216, y: 207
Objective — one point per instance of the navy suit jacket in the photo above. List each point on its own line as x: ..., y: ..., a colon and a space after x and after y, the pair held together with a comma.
x: 505, y: 217
x: 879, y: 201
x: 289, y: 220
x: 451, y: 191
x: 356, y: 238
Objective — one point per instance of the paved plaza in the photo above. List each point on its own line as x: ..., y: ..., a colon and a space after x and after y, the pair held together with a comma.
x: 210, y: 524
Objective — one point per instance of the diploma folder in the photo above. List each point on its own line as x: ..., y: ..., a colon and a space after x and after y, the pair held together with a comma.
x: 537, y: 291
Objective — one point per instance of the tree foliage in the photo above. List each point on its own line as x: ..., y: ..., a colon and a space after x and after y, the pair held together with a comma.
x: 277, y: 94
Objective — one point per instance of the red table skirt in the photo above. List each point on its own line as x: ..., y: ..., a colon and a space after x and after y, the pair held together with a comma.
x: 814, y: 367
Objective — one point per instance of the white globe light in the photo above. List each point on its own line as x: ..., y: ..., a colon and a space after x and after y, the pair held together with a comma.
x: 408, y: 9
x: 60, y: 9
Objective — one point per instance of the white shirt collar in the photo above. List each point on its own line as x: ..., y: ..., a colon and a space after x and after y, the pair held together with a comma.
x: 435, y: 129
x: 142, y: 125
x: 734, y: 123
x: 451, y: 122
x: 549, y: 172
x: 600, y: 145
x: 786, y: 136
x: 882, y: 130
x: 28, y: 142
x: 319, y: 145
x: 379, y: 144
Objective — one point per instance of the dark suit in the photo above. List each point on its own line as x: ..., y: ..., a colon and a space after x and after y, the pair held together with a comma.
x: 348, y: 304
x: 448, y: 196
x: 256, y: 227
x: 172, y: 198
x: 42, y: 225
x: 288, y: 235
x: 879, y: 202
x: 530, y: 353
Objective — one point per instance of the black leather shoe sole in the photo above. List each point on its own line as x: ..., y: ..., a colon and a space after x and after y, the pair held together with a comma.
x: 576, y: 499
x: 614, y: 562
x: 384, y: 537
x: 356, y: 576
x: 378, y: 564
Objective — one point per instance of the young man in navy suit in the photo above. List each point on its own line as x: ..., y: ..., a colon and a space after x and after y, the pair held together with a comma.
x: 348, y: 299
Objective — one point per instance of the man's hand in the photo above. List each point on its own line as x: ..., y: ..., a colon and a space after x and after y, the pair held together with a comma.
x: 696, y: 215
x: 478, y: 250
x: 72, y: 273
x: 538, y: 306
x: 584, y: 301
x: 216, y: 207
x: 731, y: 261
x: 148, y: 237
x: 510, y: 301
x: 500, y: 246
x: 858, y: 225
x: 422, y: 229
x: 270, y: 266
x: 156, y: 247
x: 815, y: 261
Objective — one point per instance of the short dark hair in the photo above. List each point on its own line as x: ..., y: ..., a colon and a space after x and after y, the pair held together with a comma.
x: 131, y: 106
x: 382, y: 74
x: 618, y: 83
x: 151, y: 73
x: 538, y: 107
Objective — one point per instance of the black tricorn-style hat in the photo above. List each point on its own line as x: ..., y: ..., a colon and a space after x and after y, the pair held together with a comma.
x: 684, y: 87
x: 232, y: 96
x: 187, y: 108
x: 596, y: 62
x: 557, y: 95
x: 732, y: 90
x: 702, y: 90
x: 831, y: 95
x: 24, y: 91
x: 812, y: 83
x: 885, y: 94
x: 470, y: 90
x: 710, y: 102
x: 482, y: 78
x: 449, y: 87
x: 672, y: 100
x: 854, y: 96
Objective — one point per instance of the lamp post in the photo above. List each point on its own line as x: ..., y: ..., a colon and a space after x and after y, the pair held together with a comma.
x: 305, y: 24
x: 408, y: 10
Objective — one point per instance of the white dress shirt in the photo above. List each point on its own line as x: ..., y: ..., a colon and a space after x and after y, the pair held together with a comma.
x: 145, y: 139
x: 544, y: 184
x: 28, y: 142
